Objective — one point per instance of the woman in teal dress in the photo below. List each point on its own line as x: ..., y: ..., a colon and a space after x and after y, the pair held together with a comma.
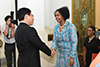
x: 65, y: 39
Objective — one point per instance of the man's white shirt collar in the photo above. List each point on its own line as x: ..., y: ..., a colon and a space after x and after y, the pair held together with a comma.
x: 24, y: 22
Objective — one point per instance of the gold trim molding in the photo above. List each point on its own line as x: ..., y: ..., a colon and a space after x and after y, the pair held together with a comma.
x: 84, y: 6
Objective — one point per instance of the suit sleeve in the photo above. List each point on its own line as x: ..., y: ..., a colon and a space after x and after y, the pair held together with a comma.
x: 36, y: 41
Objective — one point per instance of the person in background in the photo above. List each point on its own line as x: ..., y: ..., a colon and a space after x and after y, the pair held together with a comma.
x: 8, y: 30
x: 90, y: 46
x: 96, y: 61
x: 28, y: 41
x: 65, y: 39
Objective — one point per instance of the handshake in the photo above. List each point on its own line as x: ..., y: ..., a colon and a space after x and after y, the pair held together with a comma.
x: 52, y: 53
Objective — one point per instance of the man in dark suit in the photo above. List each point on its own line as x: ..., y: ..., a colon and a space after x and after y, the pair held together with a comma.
x: 28, y: 41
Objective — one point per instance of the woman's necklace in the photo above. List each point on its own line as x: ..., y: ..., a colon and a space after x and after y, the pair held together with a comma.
x: 91, y: 38
x: 61, y: 26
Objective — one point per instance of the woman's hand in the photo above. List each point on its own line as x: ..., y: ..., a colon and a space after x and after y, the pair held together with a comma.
x: 84, y: 63
x: 71, y: 61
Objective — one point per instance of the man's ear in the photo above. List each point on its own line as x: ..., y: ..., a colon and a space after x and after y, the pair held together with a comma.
x: 26, y: 17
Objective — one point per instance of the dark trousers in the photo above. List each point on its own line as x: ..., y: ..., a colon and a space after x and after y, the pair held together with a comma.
x: 9, y: 49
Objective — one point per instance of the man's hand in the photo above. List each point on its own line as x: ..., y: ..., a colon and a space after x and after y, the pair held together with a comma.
x: 12, y: 25
x: 71, y: 61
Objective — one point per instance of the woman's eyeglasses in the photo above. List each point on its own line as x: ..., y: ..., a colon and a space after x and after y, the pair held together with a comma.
x: 89, y: 30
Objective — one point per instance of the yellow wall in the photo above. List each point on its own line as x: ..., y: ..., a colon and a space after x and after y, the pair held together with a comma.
x: 97, y: 14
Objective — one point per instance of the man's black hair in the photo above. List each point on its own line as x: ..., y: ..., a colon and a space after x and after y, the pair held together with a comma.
x: 22, y: 12
x: 7, y: 17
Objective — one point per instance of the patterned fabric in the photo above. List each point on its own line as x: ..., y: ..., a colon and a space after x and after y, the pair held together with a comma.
x: 66, y: 42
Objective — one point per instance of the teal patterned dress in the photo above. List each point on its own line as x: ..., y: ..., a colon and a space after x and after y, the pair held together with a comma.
x: 66, y: 42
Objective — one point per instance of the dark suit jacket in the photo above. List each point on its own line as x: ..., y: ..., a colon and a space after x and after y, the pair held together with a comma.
x: 29, y: 44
